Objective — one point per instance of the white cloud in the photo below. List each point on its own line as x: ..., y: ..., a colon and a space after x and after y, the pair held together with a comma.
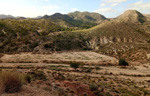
x: 114, y: 4
x: 115, y: 1
x: 141, y: 6
x: 105, y: 10
x: 74, y: 9
x: 103, y: 4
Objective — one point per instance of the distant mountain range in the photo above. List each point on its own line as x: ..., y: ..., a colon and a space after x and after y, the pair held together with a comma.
x: 2, y: 16
x: 76, y: 19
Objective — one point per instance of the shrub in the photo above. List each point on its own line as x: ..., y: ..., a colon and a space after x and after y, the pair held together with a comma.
x: 88, y: 69
x: 28, y: 78
x: 93, y: 87
x: 74, y: 65
x: 10, y: 81
x: 37, y: 75
x: 123, y: 62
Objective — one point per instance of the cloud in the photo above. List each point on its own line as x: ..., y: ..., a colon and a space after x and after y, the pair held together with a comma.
x: 114, y: 4
x: 115, y: 1
x: 105, y: 10
x: 74, y: 9
x: 103, y: 4
x: 141, y: 6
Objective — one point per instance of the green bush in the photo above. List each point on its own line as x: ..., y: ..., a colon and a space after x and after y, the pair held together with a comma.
x: 74, y: 65
x: 123, y: 62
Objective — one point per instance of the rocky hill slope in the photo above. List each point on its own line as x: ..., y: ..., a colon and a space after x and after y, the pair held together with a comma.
x: 132, y: 16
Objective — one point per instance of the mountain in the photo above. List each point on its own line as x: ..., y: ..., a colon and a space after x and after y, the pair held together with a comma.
x: 132, y: 16
x: 2, y: 16
x: 60, y: 16
x: 20, y: 18
x: 87, y: 16
x: 38, y: 17
x: 68, y: 21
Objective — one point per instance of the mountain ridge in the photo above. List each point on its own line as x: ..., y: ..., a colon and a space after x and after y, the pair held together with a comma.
x: 87, y: 16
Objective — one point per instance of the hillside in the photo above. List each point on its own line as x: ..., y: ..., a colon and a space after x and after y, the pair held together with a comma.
x: 67, y: 21
x: 25, y: 35
x: 147, y: 16
x: 132, y: 16
x: 87, y: 16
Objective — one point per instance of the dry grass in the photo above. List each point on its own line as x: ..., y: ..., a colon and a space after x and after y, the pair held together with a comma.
x: 10, y: 81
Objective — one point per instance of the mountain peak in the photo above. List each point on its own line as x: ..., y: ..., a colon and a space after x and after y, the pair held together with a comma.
x: 132, y: 16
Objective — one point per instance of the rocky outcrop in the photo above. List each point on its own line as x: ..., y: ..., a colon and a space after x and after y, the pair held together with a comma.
x: 97, y: 43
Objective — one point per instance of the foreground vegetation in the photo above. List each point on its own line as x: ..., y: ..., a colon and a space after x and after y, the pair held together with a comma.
x: 66, y: 81
x: 10, y: 81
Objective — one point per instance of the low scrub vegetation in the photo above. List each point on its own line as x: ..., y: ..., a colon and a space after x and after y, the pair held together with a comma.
x: 10, y: 82
x: 93, y: 87
x: 35, y: 75
x: 123, y: 62
x: 74, y: 65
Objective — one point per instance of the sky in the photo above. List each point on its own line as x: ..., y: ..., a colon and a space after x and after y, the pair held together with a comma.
x: 108, y: 8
